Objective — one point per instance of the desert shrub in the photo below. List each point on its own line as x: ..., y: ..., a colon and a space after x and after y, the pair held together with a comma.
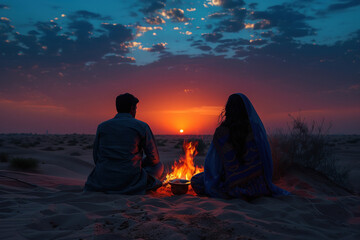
x: 179, y: 143
x: 305, y: 145
x: 4, y: 157
x: 161, y: 142
x: 24, y: 163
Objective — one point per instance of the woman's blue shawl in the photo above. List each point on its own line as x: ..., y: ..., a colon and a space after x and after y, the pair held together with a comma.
x: 213, y: 168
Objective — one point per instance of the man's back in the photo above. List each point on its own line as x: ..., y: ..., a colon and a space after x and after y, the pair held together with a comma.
x: 118, y: 152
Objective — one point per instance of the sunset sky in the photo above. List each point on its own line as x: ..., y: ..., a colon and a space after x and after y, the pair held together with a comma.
x: 62, y: 63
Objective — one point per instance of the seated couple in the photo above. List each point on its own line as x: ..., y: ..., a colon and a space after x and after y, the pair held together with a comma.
x: 237, y: 165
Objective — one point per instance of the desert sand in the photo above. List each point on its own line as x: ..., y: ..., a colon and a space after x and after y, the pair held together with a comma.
x: 48, y: 203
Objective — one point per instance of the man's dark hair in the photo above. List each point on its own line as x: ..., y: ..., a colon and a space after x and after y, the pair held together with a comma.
x: 124, y: 102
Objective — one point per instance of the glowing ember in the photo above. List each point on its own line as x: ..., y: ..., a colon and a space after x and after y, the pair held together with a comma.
x: 184, y: 168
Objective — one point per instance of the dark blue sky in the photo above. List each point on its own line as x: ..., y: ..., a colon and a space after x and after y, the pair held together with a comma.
x: 63, y: 61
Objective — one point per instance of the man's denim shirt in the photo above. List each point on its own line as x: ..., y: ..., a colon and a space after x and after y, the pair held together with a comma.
x: 118, y: 156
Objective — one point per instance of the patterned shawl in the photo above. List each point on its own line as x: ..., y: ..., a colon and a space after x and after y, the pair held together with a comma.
x: 226, y: 176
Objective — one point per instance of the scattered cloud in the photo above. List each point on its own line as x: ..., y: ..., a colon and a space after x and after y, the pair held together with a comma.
x: 204, y: 48
x: 159, y: 47
x: 155, y: 20
x: 345, y: 4
x: 175, y: 14
x: 212, y: 37
x: 33, y: 106
x: 295, y: 25
x: 3, y: 6
x: 153, y: 7
x: 88, y: 15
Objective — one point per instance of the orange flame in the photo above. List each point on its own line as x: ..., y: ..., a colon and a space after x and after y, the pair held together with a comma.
x: 184, y: 168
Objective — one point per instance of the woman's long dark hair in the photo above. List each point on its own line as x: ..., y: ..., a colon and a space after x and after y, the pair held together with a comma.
x: 235, y: 117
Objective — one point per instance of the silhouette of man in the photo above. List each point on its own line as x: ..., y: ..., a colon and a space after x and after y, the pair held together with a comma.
x: 118, y: 153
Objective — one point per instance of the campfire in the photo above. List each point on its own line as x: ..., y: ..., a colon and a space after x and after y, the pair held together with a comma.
x: 184, y: 168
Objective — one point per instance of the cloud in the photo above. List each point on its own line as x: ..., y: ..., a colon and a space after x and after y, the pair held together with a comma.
x: 204, y: 48
x: 253, y: 5
x: 217, y: 15
x: 5, y: 28
x: 153, y: 7
x: 118, y: 59
x: 156, y: 47
x: 3, y: 6
x: 229, y: 3
x: 82, y: 29
x: 344, y: 5
x: 50, y: 46
x: 88, y: 15
x: 31, y: 42
x: 258, y: 41
x: 294, y: 26
x: 175, y: 14
x: 212, y: 37
x: 118, y: 32
x: 230, y: 25
x: 233, y: 24
x: 154, y: 20
x: 32, y: 106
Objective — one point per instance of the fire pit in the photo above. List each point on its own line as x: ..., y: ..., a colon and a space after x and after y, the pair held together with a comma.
x: 179, y: 186
x: 177, y: 180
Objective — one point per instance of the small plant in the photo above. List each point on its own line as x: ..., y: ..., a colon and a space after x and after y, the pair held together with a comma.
x: 4, y: 157
x: 179, y: 143
x: 24, y: 163
x: 305, y: 145
x: 161, y: 142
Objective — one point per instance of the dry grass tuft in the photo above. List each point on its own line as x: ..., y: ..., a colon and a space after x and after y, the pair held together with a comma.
x: 305, y: 145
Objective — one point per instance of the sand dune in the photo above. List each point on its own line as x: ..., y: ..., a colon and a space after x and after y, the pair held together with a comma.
x: 42, y: 204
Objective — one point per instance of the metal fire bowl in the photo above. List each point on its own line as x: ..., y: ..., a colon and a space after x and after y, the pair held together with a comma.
x: 179, y: 186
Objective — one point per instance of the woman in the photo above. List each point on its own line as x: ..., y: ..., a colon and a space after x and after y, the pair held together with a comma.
x: 238, y: 163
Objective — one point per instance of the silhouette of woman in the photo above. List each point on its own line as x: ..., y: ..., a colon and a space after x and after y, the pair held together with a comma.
x: 238, y: 163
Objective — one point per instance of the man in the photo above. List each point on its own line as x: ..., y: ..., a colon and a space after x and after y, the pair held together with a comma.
x: 118, y: 153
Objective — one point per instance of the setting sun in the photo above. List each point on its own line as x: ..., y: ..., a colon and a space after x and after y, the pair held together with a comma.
x: 181, y: 131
